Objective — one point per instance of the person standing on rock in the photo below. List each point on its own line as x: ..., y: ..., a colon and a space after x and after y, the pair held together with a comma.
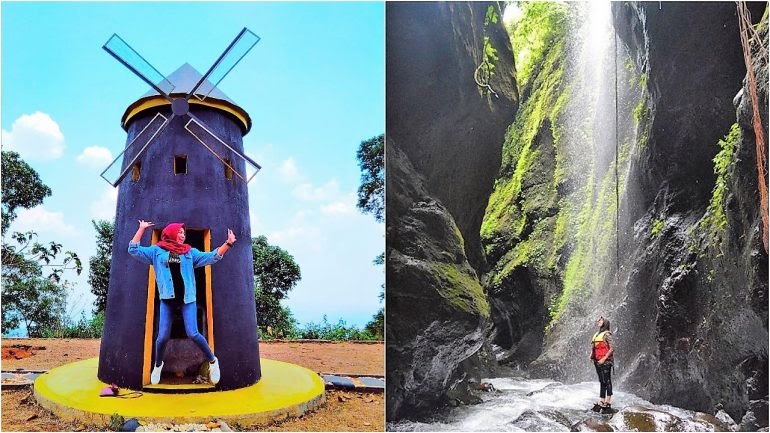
x: 174, y: 262
x: 601, y: 355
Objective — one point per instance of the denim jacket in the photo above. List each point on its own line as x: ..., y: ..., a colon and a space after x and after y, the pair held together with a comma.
x: 158, y: 258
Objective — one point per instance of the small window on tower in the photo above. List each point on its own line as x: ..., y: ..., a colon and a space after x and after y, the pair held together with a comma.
x: 136, y: 171
x: 228, y: 169
x: 180, y: 164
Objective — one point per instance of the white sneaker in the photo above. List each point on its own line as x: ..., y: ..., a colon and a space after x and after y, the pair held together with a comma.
x: 214, y: 371
x: 155, y: 376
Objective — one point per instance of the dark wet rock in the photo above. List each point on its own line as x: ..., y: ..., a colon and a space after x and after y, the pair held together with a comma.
x: 760, y: 409
x: 755, y: 417
x: 591, y: 424
x: 444, y: 145
x: 437, y: 311
x: 726, y: 419
x: 640, y: 418
x: 547, y: 420
x: 451, y: 133
x: 711, y: 420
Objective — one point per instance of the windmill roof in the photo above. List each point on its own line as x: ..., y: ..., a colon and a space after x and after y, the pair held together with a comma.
x: 184, y: 79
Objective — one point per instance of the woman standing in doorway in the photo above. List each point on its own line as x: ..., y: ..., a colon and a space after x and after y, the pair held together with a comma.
x: 174, y: 262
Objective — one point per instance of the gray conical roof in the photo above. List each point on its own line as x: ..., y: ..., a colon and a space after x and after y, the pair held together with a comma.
x: 184, y: 79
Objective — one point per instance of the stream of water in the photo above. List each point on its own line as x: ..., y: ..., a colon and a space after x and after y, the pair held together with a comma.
x: 521, y: 404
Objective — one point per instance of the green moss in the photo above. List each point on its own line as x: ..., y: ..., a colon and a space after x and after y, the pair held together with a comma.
x: 541, y: 23
x: 715, y: 219
x: 587, y: 266
x: 641, y: 112
x: 643, y: 80
x: 461, y: 288
x: 546, y: 102
x: 657, y: 227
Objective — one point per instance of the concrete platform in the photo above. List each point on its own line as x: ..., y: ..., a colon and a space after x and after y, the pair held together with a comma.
x: 354, y: 383
x: 72, y: 393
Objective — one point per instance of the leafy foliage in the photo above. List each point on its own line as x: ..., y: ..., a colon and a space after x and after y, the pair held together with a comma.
x: 21, y: 185
x: 99, y: 264
x: 275, y: 273
x: 84, y: 328
x: 29, y: 296
x: 657, y: 227
x: 715, y: 220
x: 540, y: 25
x: 371, y: 192
x: 116, y: 422
x: 376, y: 327
x: 275, y: 320
x: 336, y: 332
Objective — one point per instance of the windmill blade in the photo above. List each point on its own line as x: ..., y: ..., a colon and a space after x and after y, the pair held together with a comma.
x: 126, y: 55
x: 143, y: 139
x: 233, y: 54
x: 210, y: 141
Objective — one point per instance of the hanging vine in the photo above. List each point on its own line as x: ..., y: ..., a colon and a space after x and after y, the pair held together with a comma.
x: 486, y: 69
x: 749, y: 35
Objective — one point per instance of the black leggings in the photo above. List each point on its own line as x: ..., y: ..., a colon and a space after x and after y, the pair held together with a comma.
x: 605, y: 378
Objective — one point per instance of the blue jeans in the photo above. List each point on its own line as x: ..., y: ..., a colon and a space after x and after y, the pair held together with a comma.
x: 189, y: 313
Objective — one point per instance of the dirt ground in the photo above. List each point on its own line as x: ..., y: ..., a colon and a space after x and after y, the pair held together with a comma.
x: 344, y: 411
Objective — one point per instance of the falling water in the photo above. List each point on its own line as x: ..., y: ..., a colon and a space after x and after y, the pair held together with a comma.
x: 600, y: 140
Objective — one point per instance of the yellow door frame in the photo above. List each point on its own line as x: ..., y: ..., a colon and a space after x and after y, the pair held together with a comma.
x: 150, y: 310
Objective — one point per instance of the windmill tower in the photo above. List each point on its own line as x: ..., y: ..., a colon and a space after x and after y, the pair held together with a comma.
x: 183, y: 162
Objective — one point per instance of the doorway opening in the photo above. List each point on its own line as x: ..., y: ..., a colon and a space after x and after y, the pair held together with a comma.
x: 182, y: 358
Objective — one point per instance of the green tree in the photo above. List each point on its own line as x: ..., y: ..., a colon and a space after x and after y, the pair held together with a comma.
x: 29, y: 296
x: 21, y: 186
x: 371, y: 192
x: 371, y: 199
x: 99, y: 264
x: 275, y: 274
x: 376, y: 327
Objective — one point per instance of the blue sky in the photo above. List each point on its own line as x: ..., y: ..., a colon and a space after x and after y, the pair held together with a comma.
x: 314, y: 87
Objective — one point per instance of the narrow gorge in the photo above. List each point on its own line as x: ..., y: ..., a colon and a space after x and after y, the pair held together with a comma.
x: 610, y: 170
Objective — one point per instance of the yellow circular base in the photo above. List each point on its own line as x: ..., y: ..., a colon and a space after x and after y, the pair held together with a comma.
x: 72, y: 393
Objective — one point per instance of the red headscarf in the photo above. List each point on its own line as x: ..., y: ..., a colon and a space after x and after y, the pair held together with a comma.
x: 168, y: 239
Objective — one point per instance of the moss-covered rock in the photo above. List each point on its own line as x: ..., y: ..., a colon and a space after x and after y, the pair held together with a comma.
x: 549, y: 227
x: 437, y: 309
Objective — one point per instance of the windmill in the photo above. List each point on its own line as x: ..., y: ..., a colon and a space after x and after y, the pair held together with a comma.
x: 180, y: 105
x: 185, y: 155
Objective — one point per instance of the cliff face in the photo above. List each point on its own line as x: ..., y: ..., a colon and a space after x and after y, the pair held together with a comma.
x: 703, y: 279
x: 443, y: 150
x: 438, y: 311
x: 436, y: 111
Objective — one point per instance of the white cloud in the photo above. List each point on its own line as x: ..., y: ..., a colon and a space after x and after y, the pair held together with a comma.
x: 308, y: 192
x: 95, y: 157
x: 338, y: 208
x: 35, y: 137
x: 296, y: 239
x: 104, y: 207
x: 288, y: 170
x: 41, y: 220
